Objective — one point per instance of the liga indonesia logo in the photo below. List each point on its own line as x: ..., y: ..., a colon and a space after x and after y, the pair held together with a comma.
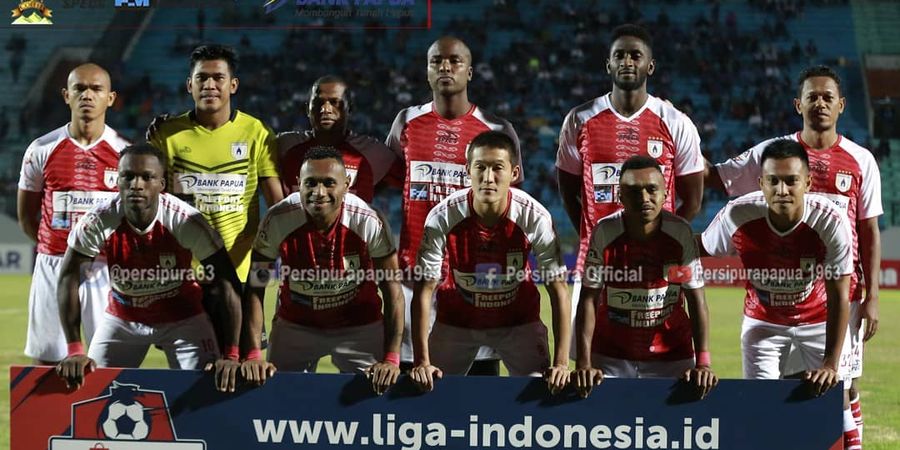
x: 128, y: 418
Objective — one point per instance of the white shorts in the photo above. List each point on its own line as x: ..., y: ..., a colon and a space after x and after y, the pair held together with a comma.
x: 297, y: 348
x: 188, y: 344
x: 765, y: 347
x: 45, y: 339
x: 852, y: 361
x: 627, y: 368
x: 523, y: 349
x: 406, y: 348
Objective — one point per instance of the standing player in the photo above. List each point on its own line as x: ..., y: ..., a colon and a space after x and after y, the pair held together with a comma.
x: 64, y: 174
x: 218, y: 156
x: 598, y: 136
x: 367, y: 160
x: 483, y: 235
x: 798, y: 250
x: 331, y: 245
x: 641, y: 266
x: 847, y: 174
x: 149, y: 239
x: 430, y: 141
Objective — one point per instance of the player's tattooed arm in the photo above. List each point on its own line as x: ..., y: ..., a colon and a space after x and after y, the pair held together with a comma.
x: 74, y: 367
x: 423, y: 373
x: 384, y: 374
x: 585, y: 376
x: 870, y: 256
x: 557, y: 375
x: 226, y: 287
x: 689, y: 189
x: 570, y: 192
x: 255, y: 369
x: 28, y: 210
x: 702, y: 375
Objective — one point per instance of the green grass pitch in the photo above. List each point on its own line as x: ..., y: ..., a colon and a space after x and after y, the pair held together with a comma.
x: 880, y: 391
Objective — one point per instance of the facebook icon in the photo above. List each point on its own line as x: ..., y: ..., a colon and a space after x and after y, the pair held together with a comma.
x: 133, y: 3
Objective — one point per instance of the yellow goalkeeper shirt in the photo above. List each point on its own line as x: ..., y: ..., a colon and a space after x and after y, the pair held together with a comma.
x: 217, y: 172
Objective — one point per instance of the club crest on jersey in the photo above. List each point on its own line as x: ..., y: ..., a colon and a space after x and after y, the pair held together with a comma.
x: 351, y: 262
x: 843, y: 181
x: 239, y: 150
x: 167, y: 260
x: 654, y: 148
x: 514, y: 260
x: 110, y: 178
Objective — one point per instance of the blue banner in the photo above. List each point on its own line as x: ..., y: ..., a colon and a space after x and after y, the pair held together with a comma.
x: 168, y: 409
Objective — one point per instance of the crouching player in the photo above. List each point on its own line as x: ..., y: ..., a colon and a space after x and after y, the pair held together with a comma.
x: 480, y: 237
x: 333, y: 247
x: 149, y: 238
x: 641, y: 267
x: 799, y: 248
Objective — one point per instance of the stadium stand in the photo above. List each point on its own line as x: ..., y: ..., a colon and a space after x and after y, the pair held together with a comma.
x: 729, y: 65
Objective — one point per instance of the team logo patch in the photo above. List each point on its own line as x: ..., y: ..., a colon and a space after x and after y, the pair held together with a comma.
x: 239, y: 150
x: 167, y: 260
x: 654, y: 148
x: 808, y: 265
x: 514, y: 260
x: 351, y: 262
x: 128, y: 418
x: 843, y: 181
x: 110, y: 178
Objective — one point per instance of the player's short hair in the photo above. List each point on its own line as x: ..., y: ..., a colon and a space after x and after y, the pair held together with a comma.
x: 630, y: 29
x: 784, y: 149
x: 144, y: 150
x: 215, y: 52
x: 639, y: 162
x: 494, y: 139
x: 817, y: 71
x: 328, y: 79
x: 319, y: 153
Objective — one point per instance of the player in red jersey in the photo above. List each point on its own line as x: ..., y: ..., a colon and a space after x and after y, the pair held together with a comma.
x: 847, y: 174
x: 149, y: 239
x: 479, y: 238
x: 641, y: 267
x: 333, y: 249
x: 598, y: 136
x: 430, y: 141
x: 797, y: 249
x: 64, y: 174
x: 366, y: 159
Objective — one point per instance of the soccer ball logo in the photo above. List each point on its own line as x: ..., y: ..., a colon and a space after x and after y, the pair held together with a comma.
x: 126, y: 421
x: 124, y: 417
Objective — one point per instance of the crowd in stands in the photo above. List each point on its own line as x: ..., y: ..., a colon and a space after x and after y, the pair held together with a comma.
x: 736, y: 72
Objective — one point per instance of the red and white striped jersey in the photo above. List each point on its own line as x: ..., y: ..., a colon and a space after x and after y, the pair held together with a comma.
x: 150, y: 270
x: 329, y: 277
x: 431, y: 152
x: 595, y: 140
x: 786, y: 271
x: 489, y: 282
x: 72, y: 177
x: 640, y: 312
x: 367, y: 160
x: 846, y: 173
